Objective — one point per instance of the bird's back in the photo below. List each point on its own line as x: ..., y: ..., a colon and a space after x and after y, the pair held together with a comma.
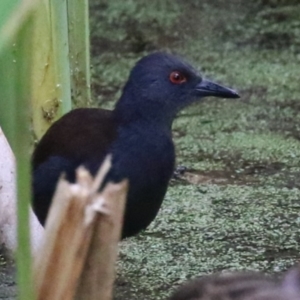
x: 81, y: 135
x: 237, y: 286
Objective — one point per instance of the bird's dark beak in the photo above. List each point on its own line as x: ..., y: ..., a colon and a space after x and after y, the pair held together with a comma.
x: 208, y: 88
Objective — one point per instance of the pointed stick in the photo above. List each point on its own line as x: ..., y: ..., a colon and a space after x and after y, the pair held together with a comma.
x: 97, y: 279
x: 78, y: 215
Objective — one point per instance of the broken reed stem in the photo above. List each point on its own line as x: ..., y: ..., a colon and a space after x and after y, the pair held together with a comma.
x: 59, y: 263
x: 77, y: 216
x: 97, y: 278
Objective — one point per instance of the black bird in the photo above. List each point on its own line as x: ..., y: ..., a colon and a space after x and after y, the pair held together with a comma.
x: 137, y: 133
x: 241, y: 286
x: 229, y: 286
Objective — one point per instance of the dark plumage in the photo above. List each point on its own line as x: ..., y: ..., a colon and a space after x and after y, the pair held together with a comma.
x: 232, y: 286
x: 137, y: 133
x: 241, y: 286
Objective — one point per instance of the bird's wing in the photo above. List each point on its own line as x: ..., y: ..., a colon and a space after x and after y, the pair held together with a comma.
x: 81, y: 135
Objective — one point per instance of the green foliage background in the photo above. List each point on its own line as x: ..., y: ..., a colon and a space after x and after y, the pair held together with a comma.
x: 237, y: 206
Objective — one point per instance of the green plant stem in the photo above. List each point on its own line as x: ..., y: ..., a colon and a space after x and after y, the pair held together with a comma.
x: 59, y: 22
x: 21, y: 150
x: 79, y: 43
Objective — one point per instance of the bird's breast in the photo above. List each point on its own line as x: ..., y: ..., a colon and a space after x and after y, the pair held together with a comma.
x: 144, y: 157
x: 148, y: 163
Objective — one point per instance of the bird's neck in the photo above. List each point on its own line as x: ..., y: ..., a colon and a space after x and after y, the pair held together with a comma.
x: 136, y: 107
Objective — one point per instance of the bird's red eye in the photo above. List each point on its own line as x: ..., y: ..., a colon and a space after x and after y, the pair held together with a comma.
x: 177, y: 77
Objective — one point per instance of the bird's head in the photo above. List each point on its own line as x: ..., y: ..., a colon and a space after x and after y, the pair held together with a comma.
x: 161, y: 84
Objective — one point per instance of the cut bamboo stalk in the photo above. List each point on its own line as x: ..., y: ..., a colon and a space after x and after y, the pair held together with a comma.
x: 59, y: 22
x: 79, y: 44
x: 59, y: 264
x: 50, y: 77
x: 97, y: 278
x: 45, y: 99
x: 77, y: 213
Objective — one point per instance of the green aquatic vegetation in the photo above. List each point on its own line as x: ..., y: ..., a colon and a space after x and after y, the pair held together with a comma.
x: 237, y: 205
